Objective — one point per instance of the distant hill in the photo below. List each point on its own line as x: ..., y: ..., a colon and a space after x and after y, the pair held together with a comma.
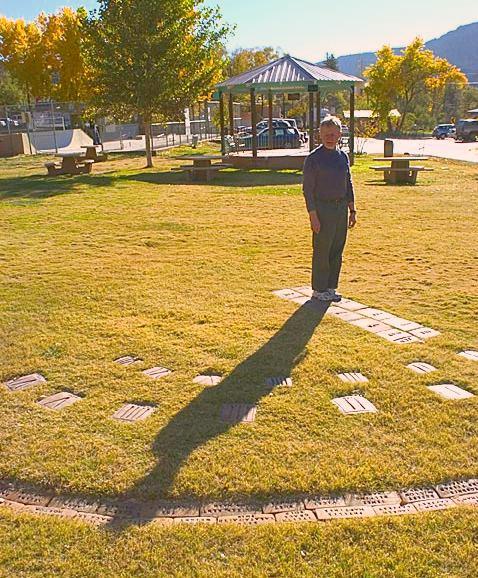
x: 460, y: 47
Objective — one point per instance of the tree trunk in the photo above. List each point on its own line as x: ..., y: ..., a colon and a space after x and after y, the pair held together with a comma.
x: 147, y: 138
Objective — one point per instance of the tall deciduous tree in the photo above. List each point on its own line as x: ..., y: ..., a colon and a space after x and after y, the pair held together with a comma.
x: 243, y: 59
x: 152, y: 58
x: 32, y: 52
x: 401, y: 81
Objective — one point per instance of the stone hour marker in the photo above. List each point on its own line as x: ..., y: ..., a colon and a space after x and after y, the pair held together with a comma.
x: 128, y: 360
x: 354, y: 404
x: 59, y: 400
x: 131, y: 412
x: 353, y: 377
x: 469, y: 354
x: 450, y: 391
x: 238, y: 412
x: 421, y: 367
x: 157, y: 372
x: 25, y: 381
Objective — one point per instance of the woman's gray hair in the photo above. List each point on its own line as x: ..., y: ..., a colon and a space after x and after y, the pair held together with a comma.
x: 331, y: 121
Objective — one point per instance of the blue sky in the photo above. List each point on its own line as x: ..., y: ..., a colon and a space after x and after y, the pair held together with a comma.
x: 310, y: 28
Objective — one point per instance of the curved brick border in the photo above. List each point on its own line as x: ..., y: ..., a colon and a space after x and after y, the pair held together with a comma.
x: 311, y: 508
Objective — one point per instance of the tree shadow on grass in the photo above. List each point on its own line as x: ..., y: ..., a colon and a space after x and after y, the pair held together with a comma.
x: 226, y: 178
x: 200, y: 421
x: 38, y: 187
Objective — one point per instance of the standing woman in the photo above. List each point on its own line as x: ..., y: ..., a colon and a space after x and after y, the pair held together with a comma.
x: 329, y: 198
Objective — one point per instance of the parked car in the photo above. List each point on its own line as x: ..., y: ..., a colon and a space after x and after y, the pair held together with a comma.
x: 467, y: 130
x: 8, y: 123
x: 282, y: 138
x: 442, y: 131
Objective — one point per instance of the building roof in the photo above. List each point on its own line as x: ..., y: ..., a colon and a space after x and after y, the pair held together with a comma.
x: 288, y: 73
x: 360, y: 113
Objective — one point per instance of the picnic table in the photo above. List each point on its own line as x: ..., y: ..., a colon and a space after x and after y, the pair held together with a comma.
x: 92, y: 153
x: 203, y: 167
x: 400, y: 170
x: 71, y: 164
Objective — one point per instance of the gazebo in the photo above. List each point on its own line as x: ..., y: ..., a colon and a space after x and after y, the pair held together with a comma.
x: 286, y: 75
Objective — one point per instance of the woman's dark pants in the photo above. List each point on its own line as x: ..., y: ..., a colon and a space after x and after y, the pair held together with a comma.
x: 328, y: 245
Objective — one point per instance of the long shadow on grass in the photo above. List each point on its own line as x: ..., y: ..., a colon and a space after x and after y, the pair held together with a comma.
x: 200, y: 421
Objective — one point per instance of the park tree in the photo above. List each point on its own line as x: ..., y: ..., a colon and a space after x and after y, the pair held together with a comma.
x: 331, y: 62
x: 402, y: 81
x: 243, y: 59
x: 152, y: 58
x: 10, y: 90
x: 45, y: 56
x: 22, y: 55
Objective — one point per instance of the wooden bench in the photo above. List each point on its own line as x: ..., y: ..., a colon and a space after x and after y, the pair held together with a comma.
x: 92, y: 154
x: 72, y: 166
x: 410, y: 173
x: 197, y: 173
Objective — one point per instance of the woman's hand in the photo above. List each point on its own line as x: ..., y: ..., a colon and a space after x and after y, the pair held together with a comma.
x: 352, y: 219
x: 314, y: 221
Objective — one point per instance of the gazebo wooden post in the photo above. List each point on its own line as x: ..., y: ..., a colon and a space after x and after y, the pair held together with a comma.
x: 270, y: 144
x: 318, y: 106
x: 352, y: 125
x: 311, y: 121
x: 221, y: 123
x: 231, y: 115
x: 254, y: 122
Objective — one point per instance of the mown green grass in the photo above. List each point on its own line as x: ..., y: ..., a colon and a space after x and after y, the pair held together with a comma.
x: 134, y: 260
x: 438, y: 545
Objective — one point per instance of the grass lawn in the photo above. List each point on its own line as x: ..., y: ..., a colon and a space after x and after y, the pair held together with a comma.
x: 437, y: 545
x: 139, y: 261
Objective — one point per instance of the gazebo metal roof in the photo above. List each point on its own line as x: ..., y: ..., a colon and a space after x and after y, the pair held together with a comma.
x: 288, y: 74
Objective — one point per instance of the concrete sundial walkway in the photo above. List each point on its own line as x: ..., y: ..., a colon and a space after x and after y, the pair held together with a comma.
x: 194, y: 425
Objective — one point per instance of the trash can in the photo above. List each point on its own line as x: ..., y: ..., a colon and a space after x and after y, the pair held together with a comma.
x: 388, y: 147
x: 195, y: 141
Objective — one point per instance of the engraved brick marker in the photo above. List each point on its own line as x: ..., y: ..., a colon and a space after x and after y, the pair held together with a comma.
x: 316, y: 502
x: 278, y: 381
x: 230, y: 508
x: 59, y: 400
x: 403, y: 324
x: 343, y: 314
x: 19, y: 383
x: 421, y: 367
x: 398, y: 336
x: 287, y: 293
x: 193, y: 520
x: 469, y: 354
x: 412, y: 495
x: 302, y: 300
x: 131, y: 412
x: 302, y: 516
x: 128, y: 360
x: 395, y: 509
x: 207, y: 379
x: 377, y: 314
x: 450, y: 391
x: 238, y: 413
x: 157, y: 372
x: 347, y: 512
x: 353, y: 377
x: 429, y: 505
x: 351, y: 305
x: 425, y: 332
x: 456, y: 488
x: 370, y: 325
x: 277, y: 506
x: 354, y: 404
x: 305, y: 290
x: 372, y: 499
x: 247, y: 519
